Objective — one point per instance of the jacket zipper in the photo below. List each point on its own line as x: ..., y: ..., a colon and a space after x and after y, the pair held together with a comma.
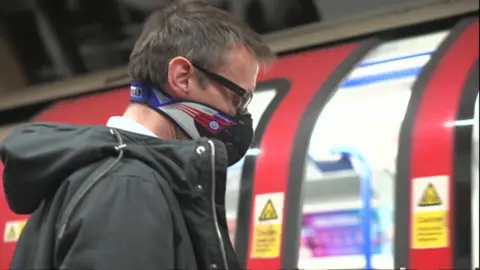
x: 214, y: 210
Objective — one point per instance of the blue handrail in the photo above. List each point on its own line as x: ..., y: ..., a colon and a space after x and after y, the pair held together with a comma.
x: 365, y: 196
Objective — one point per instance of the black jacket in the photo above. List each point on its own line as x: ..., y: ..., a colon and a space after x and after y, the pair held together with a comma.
x: 110, y: 199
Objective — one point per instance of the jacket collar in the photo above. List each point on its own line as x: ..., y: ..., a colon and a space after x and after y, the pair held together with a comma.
x: 127, y: 124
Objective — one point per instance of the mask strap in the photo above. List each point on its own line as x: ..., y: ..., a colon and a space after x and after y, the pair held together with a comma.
x: 149, y: 95
x: 156, y: 98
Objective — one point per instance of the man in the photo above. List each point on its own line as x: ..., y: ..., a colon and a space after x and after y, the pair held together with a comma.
x: 148, y: 190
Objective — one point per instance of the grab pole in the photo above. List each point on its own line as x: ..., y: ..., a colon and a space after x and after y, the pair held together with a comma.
x: 365, y: 196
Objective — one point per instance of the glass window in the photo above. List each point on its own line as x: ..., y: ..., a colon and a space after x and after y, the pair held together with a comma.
x: 355, y: 141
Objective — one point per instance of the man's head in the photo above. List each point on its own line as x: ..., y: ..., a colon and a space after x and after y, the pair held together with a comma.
x: 184, y: 42
x: 195, y: 68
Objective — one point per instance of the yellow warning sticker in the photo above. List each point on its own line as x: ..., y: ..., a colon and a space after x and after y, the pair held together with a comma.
x: 430, y: 197
x: 267, y: 231
x: 13, y: 229
x: 430, y: 210
x: 266, y: 239
x: 430, y: 194
x: 429, y: 230
x: 268, y: 212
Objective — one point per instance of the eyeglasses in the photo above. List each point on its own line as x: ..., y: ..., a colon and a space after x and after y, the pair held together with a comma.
x: 246, y: 96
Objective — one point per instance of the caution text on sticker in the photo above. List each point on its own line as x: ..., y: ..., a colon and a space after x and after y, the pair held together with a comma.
x: 430, y: 197
x: 430, y: 230
x: 268, y: 212
x: 266, y: 241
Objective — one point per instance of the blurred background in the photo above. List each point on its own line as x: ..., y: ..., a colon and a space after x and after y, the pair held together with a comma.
x: 64, y: 61
x: 52, y: 39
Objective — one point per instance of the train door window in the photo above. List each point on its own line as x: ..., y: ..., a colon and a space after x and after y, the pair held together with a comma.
x: 355, y: 141
x: 475, y: 188
x: 261, y: 99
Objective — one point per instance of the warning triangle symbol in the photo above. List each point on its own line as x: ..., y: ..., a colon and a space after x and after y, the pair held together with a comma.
x: 11, y: 235
x: 268, y: 212
x: 430, y: 197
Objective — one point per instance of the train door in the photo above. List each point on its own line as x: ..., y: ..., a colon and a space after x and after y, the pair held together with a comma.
x: 434, y: 160
x: 349, y: 190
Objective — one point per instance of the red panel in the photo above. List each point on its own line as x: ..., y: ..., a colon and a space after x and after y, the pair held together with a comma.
x: 432, y: 141
x: 93, y: 109
x: 307, y: 72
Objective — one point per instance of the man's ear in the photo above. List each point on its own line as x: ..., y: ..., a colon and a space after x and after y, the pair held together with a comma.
x: 180, y: 73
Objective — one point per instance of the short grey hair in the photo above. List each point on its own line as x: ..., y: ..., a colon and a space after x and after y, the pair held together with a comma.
x: 193, y: 29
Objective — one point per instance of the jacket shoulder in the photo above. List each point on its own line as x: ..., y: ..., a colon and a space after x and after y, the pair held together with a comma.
x: 129, y: 175
x: 121, y: 211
